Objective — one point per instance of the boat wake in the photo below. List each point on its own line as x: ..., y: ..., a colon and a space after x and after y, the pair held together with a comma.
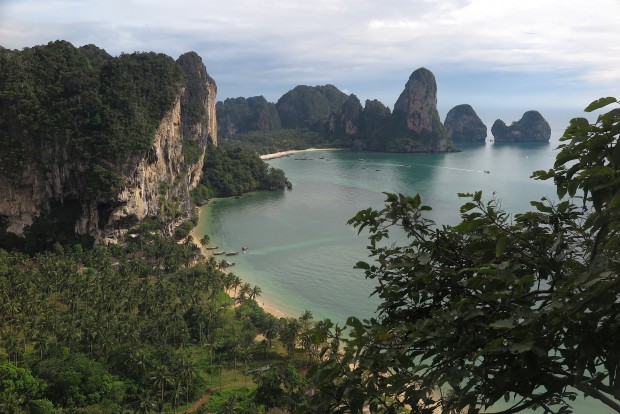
x: 300, y: 245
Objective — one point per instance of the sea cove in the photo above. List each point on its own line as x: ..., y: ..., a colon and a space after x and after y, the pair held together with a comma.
x: 302, y: 252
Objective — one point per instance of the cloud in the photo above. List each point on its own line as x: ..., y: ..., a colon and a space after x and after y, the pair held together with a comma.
x: 267, y: 47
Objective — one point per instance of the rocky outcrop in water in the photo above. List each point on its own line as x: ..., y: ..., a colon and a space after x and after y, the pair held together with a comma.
x: 463, y: 124
x: 531, y: 127
x: 415, y: 111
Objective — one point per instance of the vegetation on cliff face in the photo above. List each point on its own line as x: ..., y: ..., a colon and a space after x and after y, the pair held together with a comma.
x: 240, y: 115
x: 463, y: 124
x: 531, y: 127
x: 335, y: 119
x: 231, y: 171
x: 268, y: 142
x: 80, y: 100
x: 78, y: 127
x: 522, y: 309
x: 309, y: 107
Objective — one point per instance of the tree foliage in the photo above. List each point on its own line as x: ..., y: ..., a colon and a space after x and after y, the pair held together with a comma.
x: 241, y: 115
x: 77, y: 322
x: 266, y: 142
x: 233, y: 171
x: 57, y: 99
x: 309, y: 107
x: 115, y: 103
x: 523, y: 309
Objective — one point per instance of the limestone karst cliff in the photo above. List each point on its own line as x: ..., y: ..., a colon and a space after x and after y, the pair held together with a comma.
x: 416, y: 111
x: 463, y: 124
x: 100, y: 142
x: 333, y: 118
x: 413, y: 126
x: 309, y: 106
x: 241, y: 115
x: 348, y: 120
x: 531, y: 127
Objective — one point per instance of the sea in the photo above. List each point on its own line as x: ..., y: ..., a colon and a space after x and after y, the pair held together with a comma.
x: 302, y: 252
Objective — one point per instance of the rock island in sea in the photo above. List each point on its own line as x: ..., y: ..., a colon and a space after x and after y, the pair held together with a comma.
x: 531, y: 127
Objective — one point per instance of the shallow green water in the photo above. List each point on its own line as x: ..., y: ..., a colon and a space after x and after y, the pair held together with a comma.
x: 302, y: 252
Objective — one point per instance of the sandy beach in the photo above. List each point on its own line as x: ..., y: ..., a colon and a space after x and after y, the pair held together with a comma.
x: 263, y: 299
x: 290, y: 152
x: 264, y: 302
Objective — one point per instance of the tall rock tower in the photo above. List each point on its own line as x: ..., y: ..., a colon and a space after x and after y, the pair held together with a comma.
x: 417, y: 108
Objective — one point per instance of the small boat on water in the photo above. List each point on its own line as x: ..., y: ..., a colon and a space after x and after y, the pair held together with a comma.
x: 321, y: 158
x: 232, y: 253
x: 229, y: 264
x: 244, y: 248
x: 218, y: 253
x: 487, y: 172
x: 212, y: 248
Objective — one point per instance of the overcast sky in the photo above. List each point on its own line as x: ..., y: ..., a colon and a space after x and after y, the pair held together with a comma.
x: 492, y: 54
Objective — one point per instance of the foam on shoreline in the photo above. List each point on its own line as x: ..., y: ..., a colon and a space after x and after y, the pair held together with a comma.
x: 263, y: 302
x: 281, y: 154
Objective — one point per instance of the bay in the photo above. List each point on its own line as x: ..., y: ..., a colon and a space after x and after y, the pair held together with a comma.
x: 302, y: 252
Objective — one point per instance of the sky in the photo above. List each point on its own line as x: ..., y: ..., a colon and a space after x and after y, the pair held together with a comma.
x: 503, y: 57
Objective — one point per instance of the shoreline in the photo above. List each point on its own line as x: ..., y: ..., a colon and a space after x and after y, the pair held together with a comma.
x: 281, y: 154
x: 264, y: 302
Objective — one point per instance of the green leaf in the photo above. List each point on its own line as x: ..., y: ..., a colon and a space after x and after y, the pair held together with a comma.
x: 520, y: 347
x: 600, y: 103
x: 615, y: 201
x: 362, y: 265
x: 599, y: 170
x: 468, y: 206
x: 503, y: 323
x: 500, y: 246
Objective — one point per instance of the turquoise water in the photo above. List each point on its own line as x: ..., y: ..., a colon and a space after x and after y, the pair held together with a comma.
x: 302, y: 252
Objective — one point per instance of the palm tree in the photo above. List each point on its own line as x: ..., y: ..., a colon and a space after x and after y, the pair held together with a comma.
x: 231, y: 406
x: 188, y: 372
x: 236, y: 349
x: 140, y: 361
x: 221, y: 366
x: 40, y: 343
x: 246, y: 288
x: 161, y: 378
x: 176, y: 390
x: 271, y: 331
x: 146, y: 403
x: 210, y: 346
x: 255, y: 292
x: 247, y: 357
x: 205, y: 240
x: 289, y: 331
x: 306, y: 319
